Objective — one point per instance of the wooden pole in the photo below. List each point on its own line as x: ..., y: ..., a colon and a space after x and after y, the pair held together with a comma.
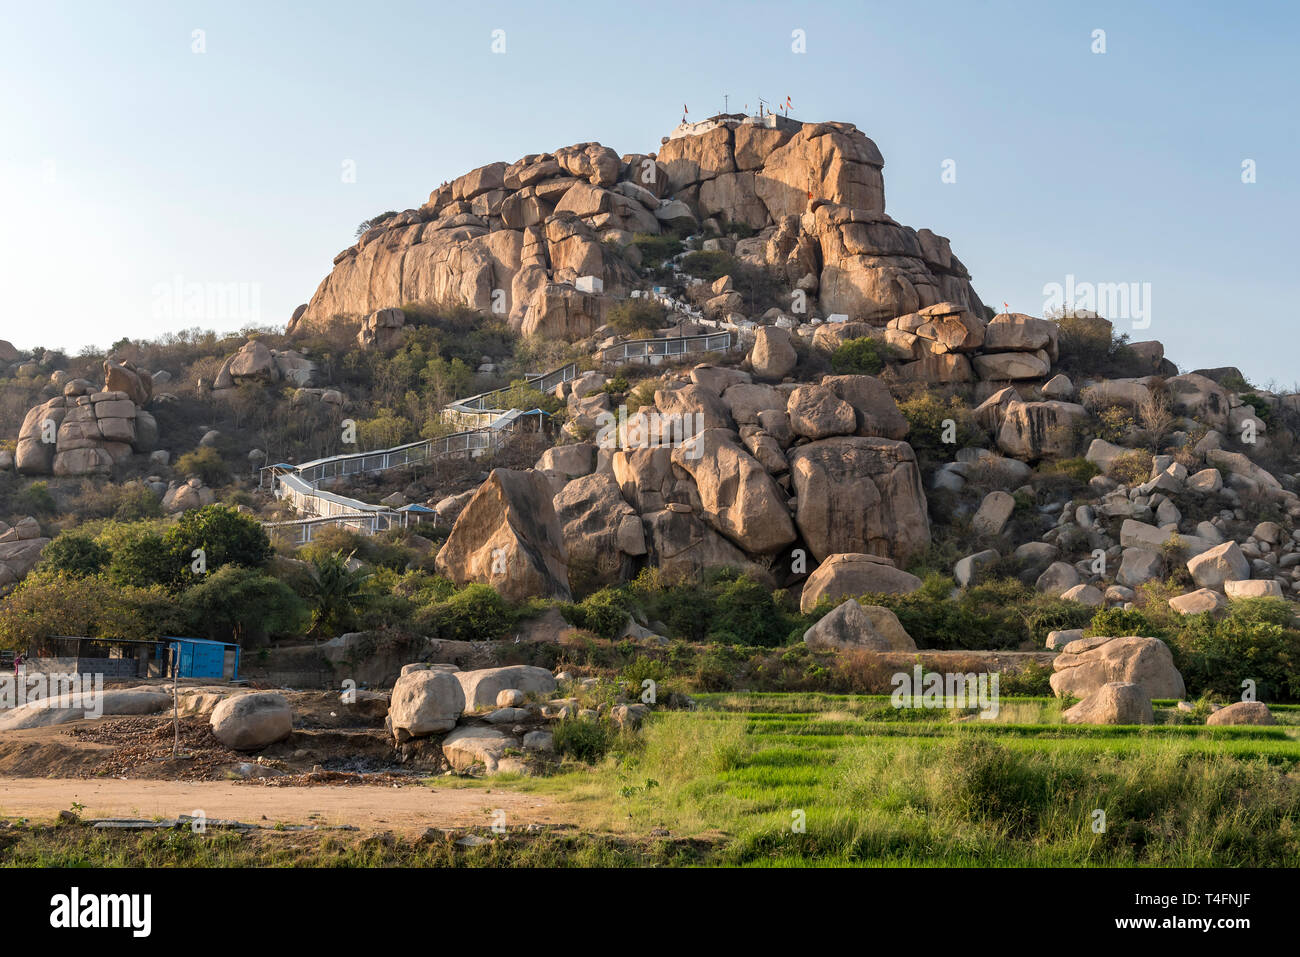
x: 176, y: 715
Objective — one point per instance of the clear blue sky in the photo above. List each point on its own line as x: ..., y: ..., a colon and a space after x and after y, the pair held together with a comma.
x: 127, y: 160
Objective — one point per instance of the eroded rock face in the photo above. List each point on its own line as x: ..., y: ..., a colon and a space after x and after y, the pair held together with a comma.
x: 511, y: 236
x: 508, y: 536
x: 683, y: 547
x: 859, y: 494
x: 1087, y: 664
x: 1032, y: 430
x: 602, y: 533
x: 740, y: 498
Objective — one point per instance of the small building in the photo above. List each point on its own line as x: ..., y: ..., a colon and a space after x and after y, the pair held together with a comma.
x: 202, y: 658
x: 416, y: 514
x: 590, y: 284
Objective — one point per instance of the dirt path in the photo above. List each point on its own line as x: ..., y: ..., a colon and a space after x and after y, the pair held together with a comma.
x: 408, y: 809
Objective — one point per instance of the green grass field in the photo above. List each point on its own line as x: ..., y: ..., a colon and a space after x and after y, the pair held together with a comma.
x: 849, y: 780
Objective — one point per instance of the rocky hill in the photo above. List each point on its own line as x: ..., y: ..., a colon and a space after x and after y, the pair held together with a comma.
x: 758, y: 371
x: 511, y: 238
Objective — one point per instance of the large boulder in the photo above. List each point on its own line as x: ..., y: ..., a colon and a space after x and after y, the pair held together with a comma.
x: 859, y: 494
x: 876, y: 412
x: 471, y: 747
x: 1116, y: 702
x: 849, y: 575
x: 1216, y: 566
x: 482, y: 686
x: 602, y: 533
x: 704, y: 406
x: 509, y: 537
x: 740, y: 499
x: 425, y: 702
x: 994, y: 513
x: 1199, y: 602
x: 125, y: 377
x: 1242, y: 712
x: 818, y: 413
x: 254, y: 362
x: 383, y: 329
x: 1016, y: 332
x: 851, y: 626
x: 683, y: 547
x: 773, y: 357
x: 943, y: 327
x: 1253, y: 588
x: 1087, y: 664
x: 1200, y: 398
x: 1032, y: 430
x: 250, y: 722
x: 846, y: 626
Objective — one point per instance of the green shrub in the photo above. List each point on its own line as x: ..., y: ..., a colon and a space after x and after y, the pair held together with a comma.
x: 1254, y: 642
x: 1120, y: 623
x: 224, y: 535
x: 373, y: 221
x: 657, y: 249
x: 35, y: 499
x: 76, y: 554
x: 1263, y: 411
x: 1031, y: 679
x: 206, y: 463
x: 475, y: 613
x: 709, y: 265
x: 1090, y: 346
x: 926, y: 414
x: 603, y: 612
x: 1079, y: 469
x: 857, y: 357
x: 1131, y: 468
x: 633, y: 316
x: 583, y: 739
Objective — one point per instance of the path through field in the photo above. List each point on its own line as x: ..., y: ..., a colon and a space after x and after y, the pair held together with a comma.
x: 408, y: 809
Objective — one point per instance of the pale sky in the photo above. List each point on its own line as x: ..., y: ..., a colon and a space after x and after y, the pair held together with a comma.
x: 130, y: 163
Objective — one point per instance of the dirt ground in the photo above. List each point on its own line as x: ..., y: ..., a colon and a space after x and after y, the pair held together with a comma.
x: 408, y: 809
x: 323, y: 774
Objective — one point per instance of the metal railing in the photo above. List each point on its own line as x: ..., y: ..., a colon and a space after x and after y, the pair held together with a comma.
x: 470, y: 442
x: 487, y: 401
x: 647, y: 350
x: 303, y: 530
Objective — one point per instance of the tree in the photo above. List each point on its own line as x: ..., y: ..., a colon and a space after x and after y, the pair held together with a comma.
x: 244, y: 606
x: 138, y: 555
x: 334, y: 593
x: 48, y: 604
x: 223, y: 535
x: 76, y: 554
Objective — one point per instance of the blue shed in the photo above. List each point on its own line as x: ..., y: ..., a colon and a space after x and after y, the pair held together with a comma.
x: 201, y: 658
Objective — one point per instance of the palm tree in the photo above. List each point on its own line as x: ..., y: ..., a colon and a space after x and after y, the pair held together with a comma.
x: 334, y: 593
